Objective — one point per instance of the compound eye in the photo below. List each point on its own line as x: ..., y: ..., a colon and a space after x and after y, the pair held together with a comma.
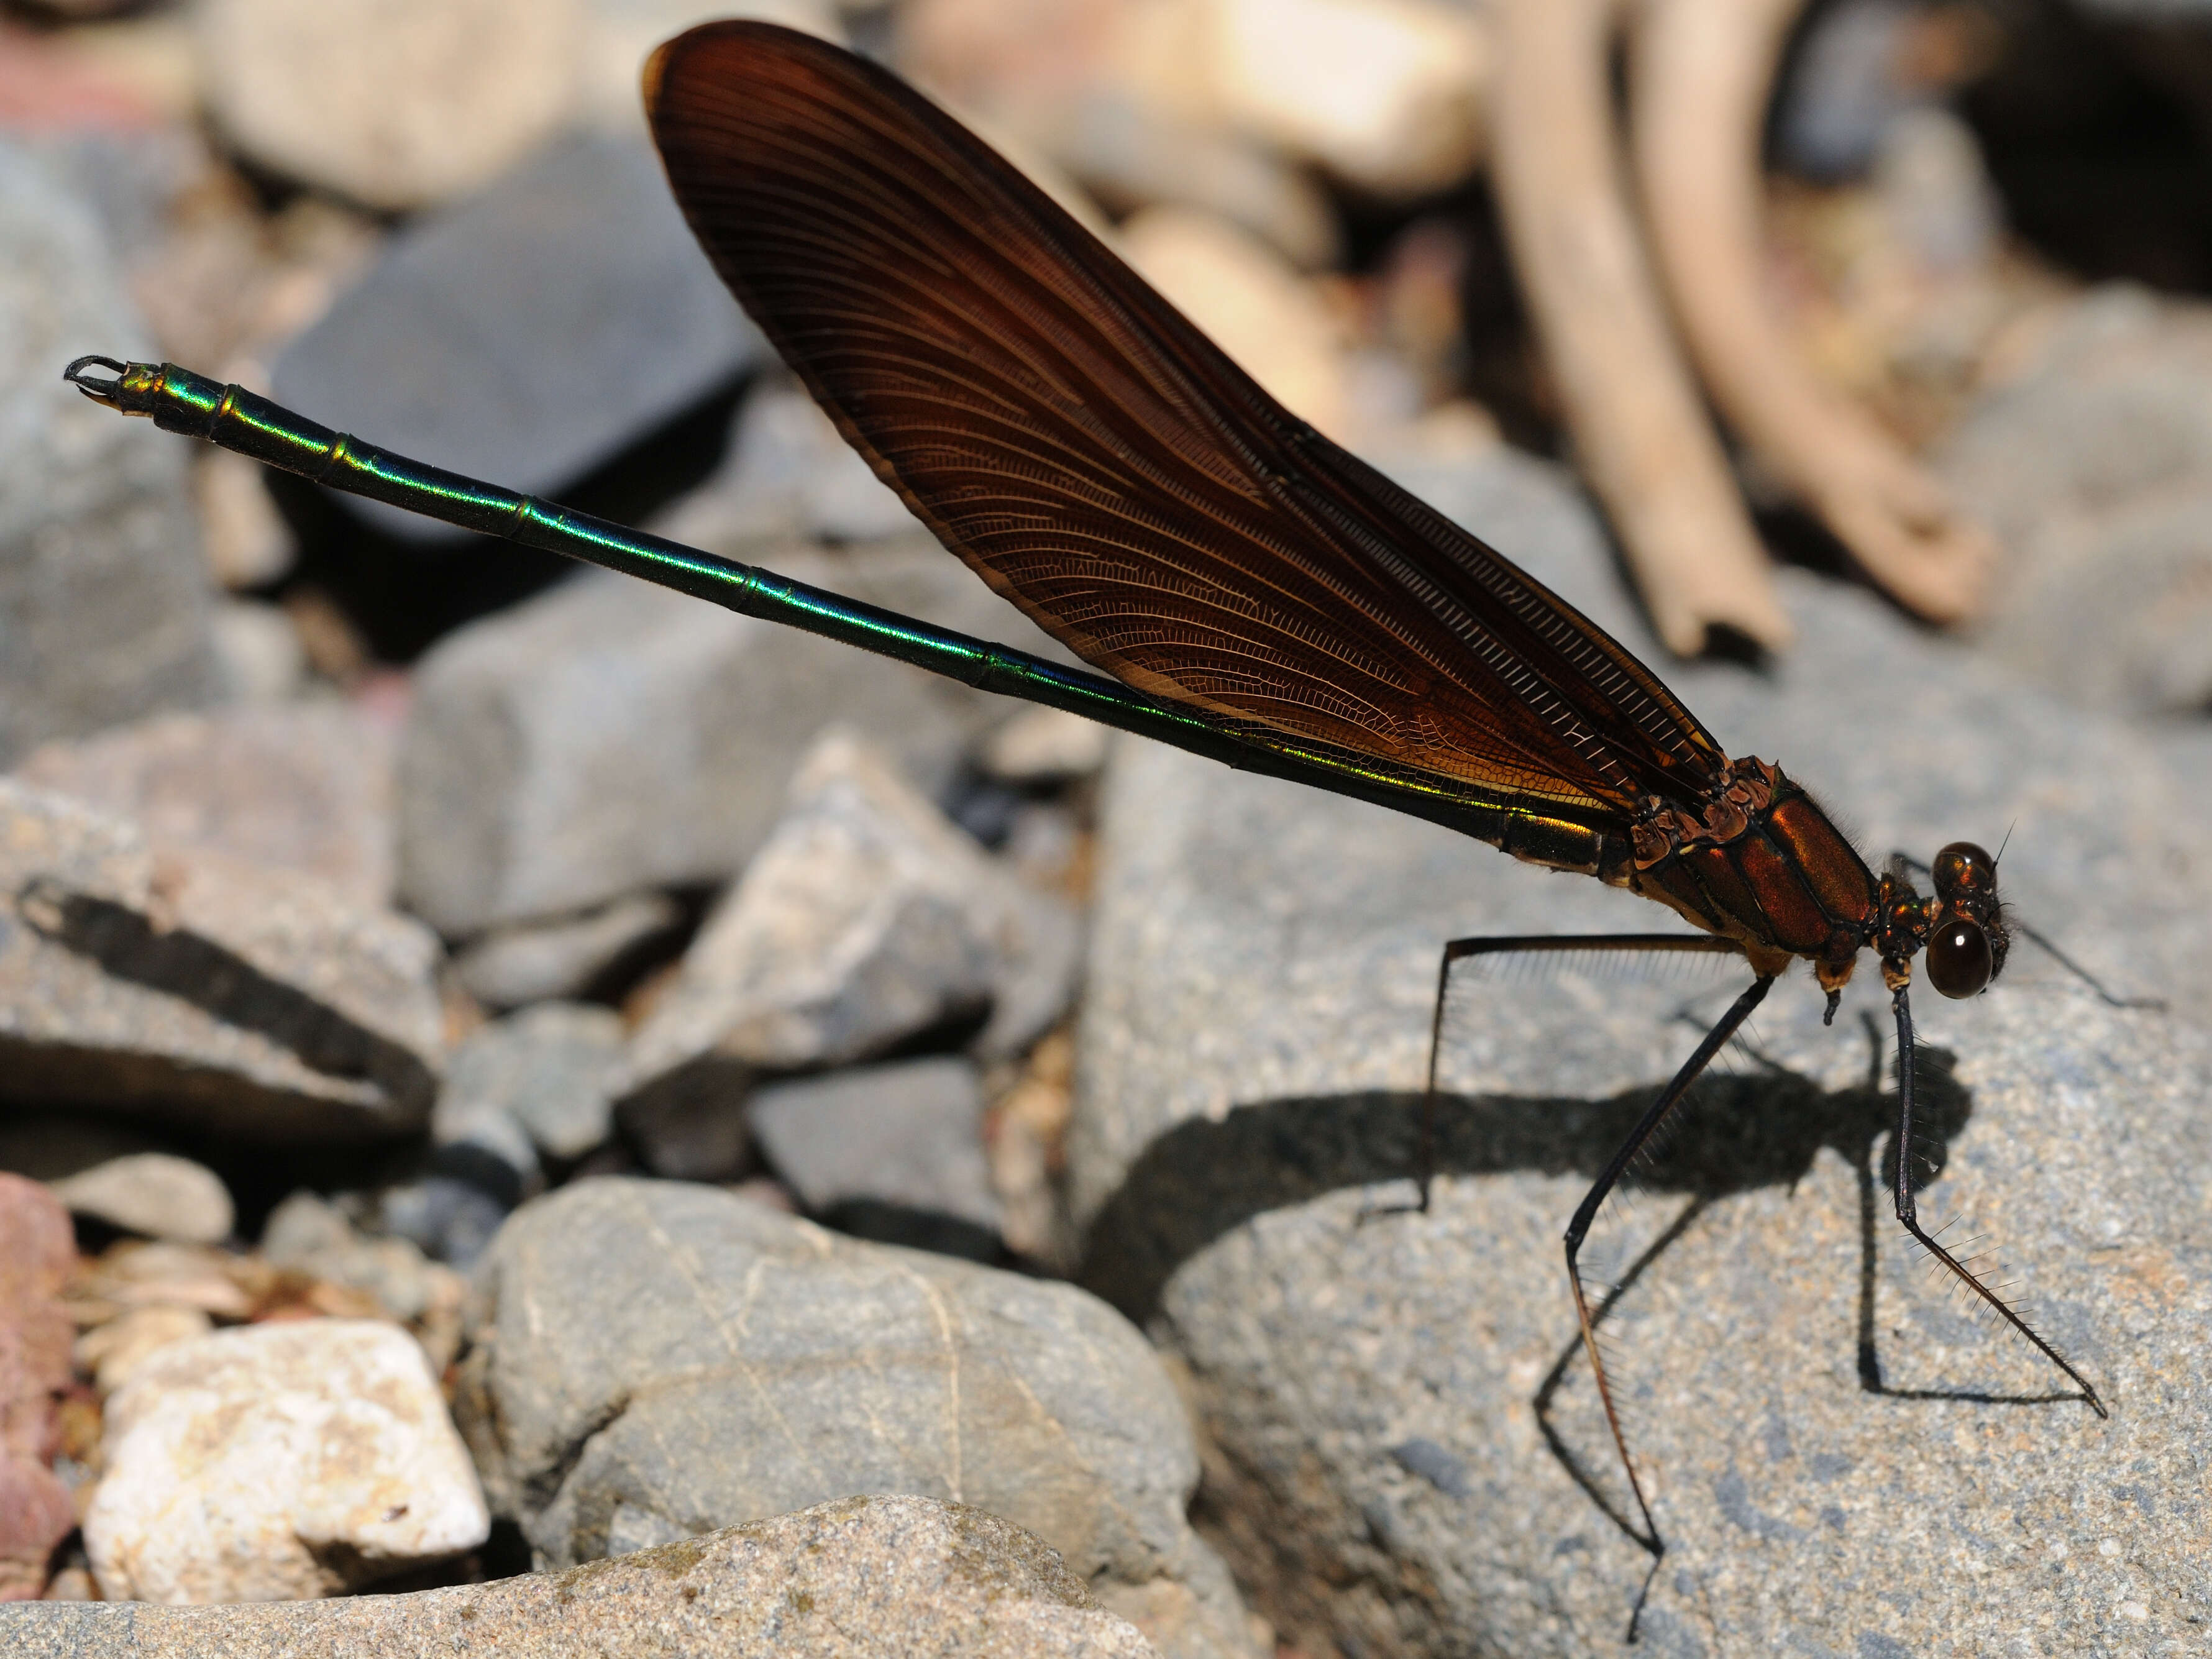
x: 1963, y: 867
x: 1958, y: 960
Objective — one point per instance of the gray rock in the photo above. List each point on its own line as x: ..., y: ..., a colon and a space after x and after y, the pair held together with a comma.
x: 241, y: 999
x: 2094, y: 465
x: 1255, y: 1027
x: 855, y: 1579
x: 155, y: 1194
x: 527, y: 335
x: 550, y: 1071
x: 103, y: 602
x: 396, y: 108
x: 610, y: 736
x: 300, y: 787
x: 867, y: 919
x: 786, y: 476
x: 654, y: 1361
x: 909, y: 1134
x: 546, y: 961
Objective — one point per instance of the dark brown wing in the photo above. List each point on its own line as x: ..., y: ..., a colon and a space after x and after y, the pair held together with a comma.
x: 1103, y: 466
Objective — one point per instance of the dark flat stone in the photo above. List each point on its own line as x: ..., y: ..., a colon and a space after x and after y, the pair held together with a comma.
x: 529, y: 334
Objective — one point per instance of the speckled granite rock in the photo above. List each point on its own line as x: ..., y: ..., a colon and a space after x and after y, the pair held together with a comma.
x: 856, y: 1578
x: 1256, y: 1025
x: 2094, y: 462
x: 237, y: 997
x: 654, y: 1359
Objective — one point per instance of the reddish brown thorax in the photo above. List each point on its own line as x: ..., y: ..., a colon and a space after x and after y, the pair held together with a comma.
x: 1760, y: 863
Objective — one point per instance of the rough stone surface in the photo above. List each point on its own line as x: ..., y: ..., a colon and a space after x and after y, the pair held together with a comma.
x: 854, y: 1578
x: 655, y: 1359
x: 103, y: 602
x: 276, y: 1463
x: 551, y: 1069
x: 1255, y: 1030
x: 2094, y: 463
x: 787, y: 475
x: 548, y: 961
x: 37, y: 1255
x: 242, y: 997
x: 155, y: 1194
x: 396, y: 103
x: 528, y: 335
x: 909, y: 1134
x: 527, y: 790
x: 301, y: 786
x: 866, y: 918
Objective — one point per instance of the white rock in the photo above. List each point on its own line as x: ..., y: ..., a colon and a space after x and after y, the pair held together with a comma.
x: 279, y: 1462
x: 396, y: 103
x: 154, y: 1194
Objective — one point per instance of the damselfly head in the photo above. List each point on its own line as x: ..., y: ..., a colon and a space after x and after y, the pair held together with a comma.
x: 1967, y: 943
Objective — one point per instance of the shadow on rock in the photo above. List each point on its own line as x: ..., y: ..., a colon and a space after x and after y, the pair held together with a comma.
x: 1202, y: 1179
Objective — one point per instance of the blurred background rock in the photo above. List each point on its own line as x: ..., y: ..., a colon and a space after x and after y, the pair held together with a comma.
x: 366, y: 882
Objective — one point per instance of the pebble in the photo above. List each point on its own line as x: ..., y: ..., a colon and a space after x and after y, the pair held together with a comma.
x: 527, y: 335
x: 867, y: 918
x: 237, y: 997
x: 103, y: 595
x: 551, y: 1068
x: 549, y: 961
x: 655, y: 1359
x: 1251, y: 304
x: 609, y: 737
x: 1045, y: 745
x: 398, y: 104
x: 906, y: 1135
x: 1254, y: 1036
x: 155, y: 1194
x: 111, y: 1350
x: 898, y: 1577
x: 37, y: 1255
x: 1387, y: 95
x: 278, y: 1462
x: 310, y: 1234
x: 2093, y: 461
x: 259, y: 651
x: 301, y: 786
x: 248, y: 543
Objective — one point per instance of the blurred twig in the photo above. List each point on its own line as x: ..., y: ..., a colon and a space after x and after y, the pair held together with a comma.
x: 1641, y: 430
x: 1701, y: 73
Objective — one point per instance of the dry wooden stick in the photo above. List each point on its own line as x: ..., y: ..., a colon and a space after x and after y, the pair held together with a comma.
x: 1700, y: 74
x: 1642, y: 431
